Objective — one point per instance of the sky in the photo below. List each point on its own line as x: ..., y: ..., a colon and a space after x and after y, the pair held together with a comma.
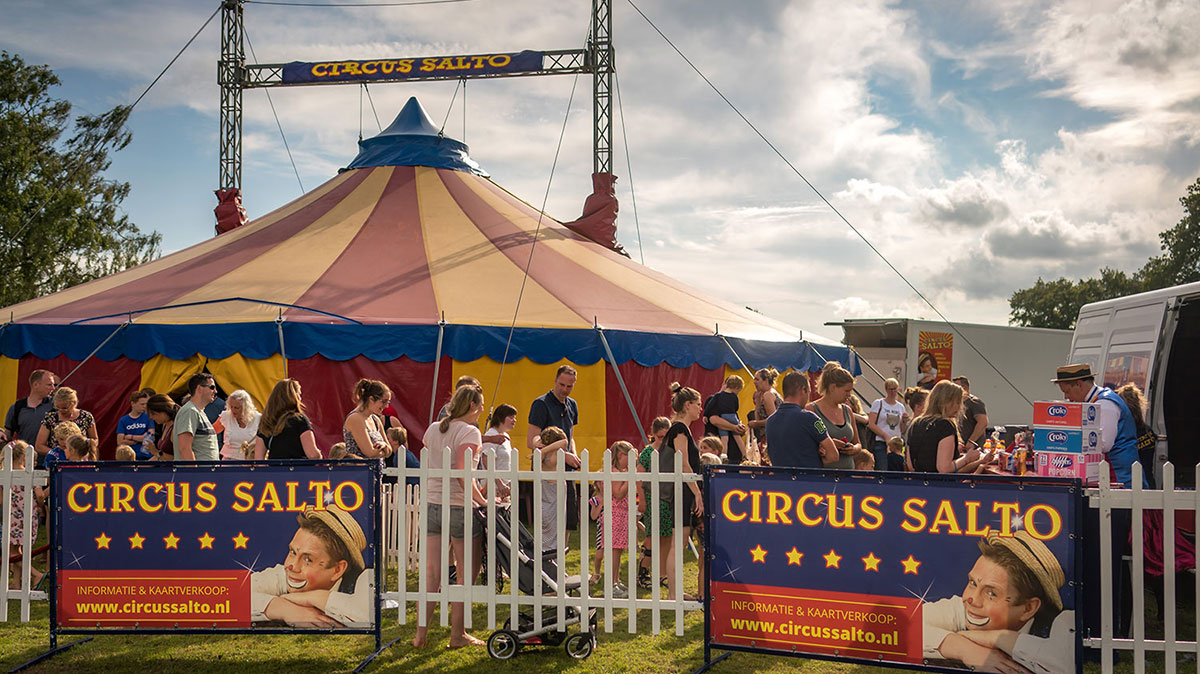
x: 977, y: 146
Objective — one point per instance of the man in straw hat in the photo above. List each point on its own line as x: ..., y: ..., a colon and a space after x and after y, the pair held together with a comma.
x: 1118, y: 441
x: 324, y: 581
x: 1010, y: 616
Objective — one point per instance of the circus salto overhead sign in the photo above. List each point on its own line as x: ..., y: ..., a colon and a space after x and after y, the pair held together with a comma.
x: 299, y: 72
x: 942, y: 573
x: 220, y: 547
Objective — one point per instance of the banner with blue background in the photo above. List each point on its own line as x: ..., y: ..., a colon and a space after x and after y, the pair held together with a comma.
x: 299, y: 72
x: 230, y: 546
x: 953, y: 573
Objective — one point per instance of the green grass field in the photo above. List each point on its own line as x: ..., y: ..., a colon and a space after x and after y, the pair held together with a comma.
x: 618, y: 651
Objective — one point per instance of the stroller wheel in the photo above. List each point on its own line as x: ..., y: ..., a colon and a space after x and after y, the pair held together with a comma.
x: 579, y: 646
x: 503, y: 644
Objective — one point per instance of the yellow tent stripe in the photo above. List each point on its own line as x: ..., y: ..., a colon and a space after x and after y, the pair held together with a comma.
x: 525, y: 380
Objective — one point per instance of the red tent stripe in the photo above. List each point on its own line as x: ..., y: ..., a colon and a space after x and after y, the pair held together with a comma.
x: 373, y: 275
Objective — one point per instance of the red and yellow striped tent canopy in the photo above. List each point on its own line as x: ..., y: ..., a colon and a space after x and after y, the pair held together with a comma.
x: 409, y: 262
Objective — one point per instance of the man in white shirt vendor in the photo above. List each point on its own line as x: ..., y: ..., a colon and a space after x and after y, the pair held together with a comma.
x: 1118, y: 441
x: 1010, y: 616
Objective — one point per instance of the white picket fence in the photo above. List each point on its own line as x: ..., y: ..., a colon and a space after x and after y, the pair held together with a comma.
x: 403, y: 514
x: 1138, y: 500
x: 404, y: 519
x: 26, y: 479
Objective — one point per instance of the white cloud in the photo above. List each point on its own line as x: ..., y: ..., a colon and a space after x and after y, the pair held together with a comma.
x: 953, y: 176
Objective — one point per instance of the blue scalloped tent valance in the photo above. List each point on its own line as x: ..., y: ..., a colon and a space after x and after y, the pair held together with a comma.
x: 463, y: 343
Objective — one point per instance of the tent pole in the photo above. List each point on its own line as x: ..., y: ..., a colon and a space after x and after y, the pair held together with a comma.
x: 621, y: 380
x: 735, y: 355
x: 95, y: 351
x: 437, y: 364
x: 282, y: 351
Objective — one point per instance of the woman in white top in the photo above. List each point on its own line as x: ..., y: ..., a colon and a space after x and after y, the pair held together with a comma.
x: 504, y: 419
x: 459, y: 433
x: 887, y: 419
x: 239, y: 422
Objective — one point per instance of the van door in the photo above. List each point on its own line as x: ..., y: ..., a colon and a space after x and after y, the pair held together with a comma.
x: 1173, y: 413
x: 1132, y: 344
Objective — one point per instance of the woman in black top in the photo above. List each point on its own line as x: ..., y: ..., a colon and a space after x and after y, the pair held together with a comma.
x: 685, y: 403
x: 284, y: 431
x: 933, y: 439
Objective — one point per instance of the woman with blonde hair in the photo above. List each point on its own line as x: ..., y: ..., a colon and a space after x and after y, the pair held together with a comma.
x: 933, y: 442
x: 284, y: 432
x: 363, y: 429
x: 887, y: 419
x: 836, y: 385
x: 459, y: 432
x: 66, y: 408
x: 1147, y: 439
x: 239, y: 422
x: 766, y: 401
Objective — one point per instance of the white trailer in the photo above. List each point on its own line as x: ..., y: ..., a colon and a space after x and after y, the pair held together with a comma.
x: 1027, y: 357
x: 1151, y: 339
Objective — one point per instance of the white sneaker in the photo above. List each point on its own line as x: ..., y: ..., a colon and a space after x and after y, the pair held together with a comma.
x: 620, y: 591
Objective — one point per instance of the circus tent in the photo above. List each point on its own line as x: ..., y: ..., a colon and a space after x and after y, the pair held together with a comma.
x: 408, y: 266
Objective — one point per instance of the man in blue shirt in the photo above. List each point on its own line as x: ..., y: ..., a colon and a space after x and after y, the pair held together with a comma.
x: 797, y: 438
x: 133, y: 428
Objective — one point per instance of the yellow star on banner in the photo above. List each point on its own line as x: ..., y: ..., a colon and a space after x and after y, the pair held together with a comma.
x: 910, y: 565
x: 757, y: 554
x: 206, y: 541
x: 871, y: 562
x: 136, y: 540
x: 102, y: 541
x: 832, y: 560
x: 239, y: 541
x: 794, y: 556
x: 172, y: 541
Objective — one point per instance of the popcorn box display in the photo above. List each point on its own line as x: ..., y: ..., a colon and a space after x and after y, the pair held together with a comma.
x: 1066, y: 415
x: 1085, y: 466
x: 1066, y: 440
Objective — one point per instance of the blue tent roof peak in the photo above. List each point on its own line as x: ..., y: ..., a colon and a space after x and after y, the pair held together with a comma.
x: 413, y: 140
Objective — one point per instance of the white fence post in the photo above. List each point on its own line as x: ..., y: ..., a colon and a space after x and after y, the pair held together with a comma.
x: 407, y: 519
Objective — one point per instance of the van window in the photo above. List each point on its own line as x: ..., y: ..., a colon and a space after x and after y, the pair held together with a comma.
x: 1127, y: 365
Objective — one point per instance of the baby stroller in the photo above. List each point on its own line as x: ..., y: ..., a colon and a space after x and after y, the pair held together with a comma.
x: 506, y: 642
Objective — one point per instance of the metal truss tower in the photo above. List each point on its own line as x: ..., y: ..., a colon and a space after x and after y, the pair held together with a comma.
x: 231, y: 76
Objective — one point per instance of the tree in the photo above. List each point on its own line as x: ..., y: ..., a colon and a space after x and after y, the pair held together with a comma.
x: 1180, y: 261
x: 60, y: 219
x: 1056, y: 304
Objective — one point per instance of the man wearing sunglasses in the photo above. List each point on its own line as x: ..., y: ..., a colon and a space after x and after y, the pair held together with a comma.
x: 194, y: 435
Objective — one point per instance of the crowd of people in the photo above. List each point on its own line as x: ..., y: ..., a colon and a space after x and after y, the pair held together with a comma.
x: 937, y: 430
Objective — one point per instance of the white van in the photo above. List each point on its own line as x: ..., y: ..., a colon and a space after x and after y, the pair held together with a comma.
x: 1151, y: 339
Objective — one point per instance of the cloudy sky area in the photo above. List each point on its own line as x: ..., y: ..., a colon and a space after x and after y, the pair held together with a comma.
x: 978, y: 145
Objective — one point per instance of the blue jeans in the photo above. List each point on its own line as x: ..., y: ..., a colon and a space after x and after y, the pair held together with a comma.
x: 880, y: 452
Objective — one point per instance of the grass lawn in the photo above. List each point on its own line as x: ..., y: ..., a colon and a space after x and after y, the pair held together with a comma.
x: 616, y: 652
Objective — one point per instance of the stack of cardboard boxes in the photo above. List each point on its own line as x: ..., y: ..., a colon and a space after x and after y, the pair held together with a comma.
x: 1066, y: 439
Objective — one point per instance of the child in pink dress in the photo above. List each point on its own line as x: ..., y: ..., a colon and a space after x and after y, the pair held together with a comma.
x: 16, y: 500
x: 618, y: 507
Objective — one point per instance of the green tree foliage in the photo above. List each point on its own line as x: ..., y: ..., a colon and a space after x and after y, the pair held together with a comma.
x: 1055, y: 304
x: 60, y: 218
